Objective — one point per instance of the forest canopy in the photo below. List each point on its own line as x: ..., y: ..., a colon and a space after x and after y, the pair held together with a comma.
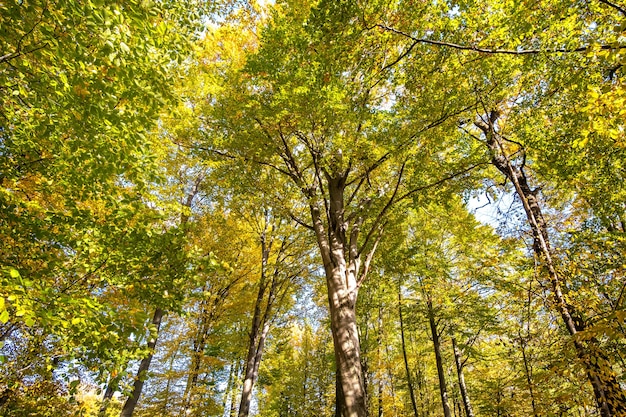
x: 312, y: 208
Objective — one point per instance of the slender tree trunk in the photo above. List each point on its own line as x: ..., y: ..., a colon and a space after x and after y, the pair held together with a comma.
x: 524, y: 343
x: 233, y: 403
x: 131, y: 402
x: 108, y: 394
x: 423, y: 395
x: 609, y: 395
x: 392, y: 382
x: 258, y: 331
x: 144, y: 366
x: 199, y: 344
x: 409, y: 379
x: 528, y: 372
x: 261, y: 318
x: 208, y: 315
x: 229, y: 386
x: 380, y: 361
x: 462, y: 387
x: 252, y: 372
x: 456, y: 405
x: 443, y: 390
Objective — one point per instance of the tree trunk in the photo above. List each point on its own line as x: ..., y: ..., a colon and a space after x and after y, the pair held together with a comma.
x: 232, y: 412
x: 409, y: 379
x: 197, y: 353
x: 229, y: 386
x: 523, y: 344
x: 443, y: 390
x: 261, y: 318
x: 131, y: 402
x: 108, y: 394
x: 251, y: 373
x: 258, y: 330
x: 380, y: 361
x: 609, y: 395
x: 342, y: 264
x: 462, y: 387
x: 347, y: 349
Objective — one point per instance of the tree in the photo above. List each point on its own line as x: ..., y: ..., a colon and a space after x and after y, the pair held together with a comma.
x: 81, y: 86
x: 282, y: 265
x: 319, y: 116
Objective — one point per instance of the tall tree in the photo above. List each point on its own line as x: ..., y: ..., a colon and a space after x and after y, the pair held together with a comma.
x: 282, y: 263
x: 320, y: 116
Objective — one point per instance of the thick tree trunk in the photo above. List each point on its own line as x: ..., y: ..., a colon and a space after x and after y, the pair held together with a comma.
x: 347, y: 349
x: 409, y: 379
x: 341, y: 265
x: 131, y: 402
x: 443, y: 390
x: 462, y: 387
x: 609, y: 395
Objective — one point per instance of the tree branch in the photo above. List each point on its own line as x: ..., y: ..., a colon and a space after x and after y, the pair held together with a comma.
x: 488, y: 50
x: 615, y: 6
x: 18, y: 50
x: 442, y: 180
x: 370, y: 256
x: 387, y: 206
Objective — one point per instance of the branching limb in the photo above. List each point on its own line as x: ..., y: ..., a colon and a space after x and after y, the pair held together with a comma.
x: 490, y: 51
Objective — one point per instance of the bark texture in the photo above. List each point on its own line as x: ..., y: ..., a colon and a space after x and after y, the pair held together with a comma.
x: 346, y: 252
x: 342, y: 264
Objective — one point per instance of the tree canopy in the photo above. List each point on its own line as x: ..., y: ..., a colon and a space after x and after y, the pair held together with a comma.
x: 305, y: 208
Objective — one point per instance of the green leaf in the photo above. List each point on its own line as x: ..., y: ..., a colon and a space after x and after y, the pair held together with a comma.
x: 4, y: 316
